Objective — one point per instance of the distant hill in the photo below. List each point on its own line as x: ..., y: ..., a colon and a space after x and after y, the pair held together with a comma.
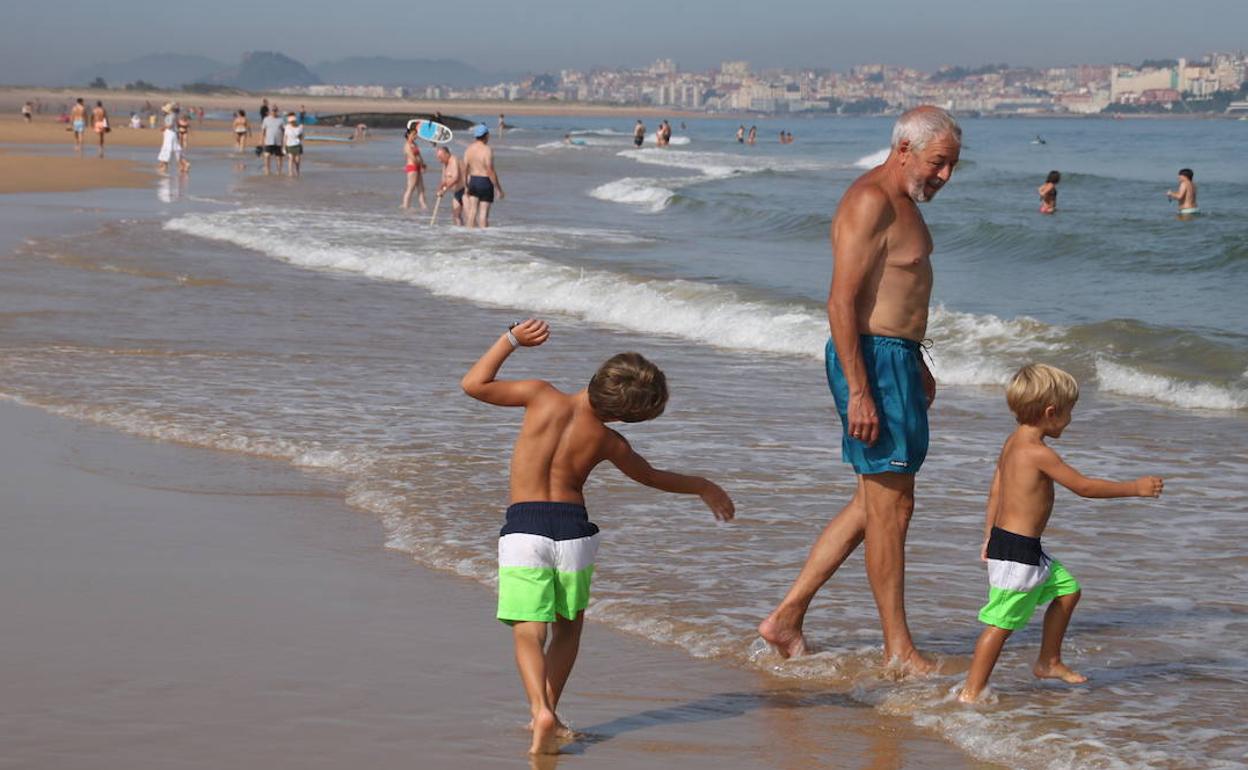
x: 166, y: 70
x: 264, y: 71
x: 385, y: 71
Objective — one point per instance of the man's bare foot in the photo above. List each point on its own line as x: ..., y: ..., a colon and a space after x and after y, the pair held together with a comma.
x: 545, y: 741
x: 1058, y: 670
x: 787, y: 640
x: 912, y: 663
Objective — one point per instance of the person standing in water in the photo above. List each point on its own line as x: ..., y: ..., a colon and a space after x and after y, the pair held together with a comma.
x: 415, y: 169
x: 639, y: 133
x: 78, y: 116
x: 99, y: 123
x: 878, y: 315
x: 1185, y: 195
x: 482, y: 179
x: 1048, y: 193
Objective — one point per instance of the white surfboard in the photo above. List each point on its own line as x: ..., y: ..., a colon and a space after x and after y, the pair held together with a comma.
x: 431, y: 131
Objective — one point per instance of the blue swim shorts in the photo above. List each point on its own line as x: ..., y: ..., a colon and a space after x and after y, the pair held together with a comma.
x: 893, y: 367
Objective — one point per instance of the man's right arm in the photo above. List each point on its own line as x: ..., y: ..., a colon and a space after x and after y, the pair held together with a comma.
x: 857, y: 245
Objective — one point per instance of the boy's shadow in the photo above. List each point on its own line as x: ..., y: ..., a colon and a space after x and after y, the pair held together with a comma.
x: 713, y: 707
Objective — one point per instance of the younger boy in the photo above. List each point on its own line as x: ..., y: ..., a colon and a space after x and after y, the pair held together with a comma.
x: 546, y: 549
x: 1021, y: 575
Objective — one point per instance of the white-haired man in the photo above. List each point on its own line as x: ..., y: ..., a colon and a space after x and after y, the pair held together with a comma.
x: 877, y: 310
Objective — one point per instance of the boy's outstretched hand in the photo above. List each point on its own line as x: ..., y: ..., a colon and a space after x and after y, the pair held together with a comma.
x: 531, y: 333
x: 718, y: 501
x: 1149, y: 486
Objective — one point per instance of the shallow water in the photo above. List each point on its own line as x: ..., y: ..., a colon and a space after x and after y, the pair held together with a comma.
x: 313, y: 321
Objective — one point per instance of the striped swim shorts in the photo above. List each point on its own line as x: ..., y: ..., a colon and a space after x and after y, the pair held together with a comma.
x: 1020, y: 578
x: 545, y: 561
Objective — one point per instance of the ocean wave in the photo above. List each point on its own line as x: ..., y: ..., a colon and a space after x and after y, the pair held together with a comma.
x: 872, y: 160
x: 718, y: 165
x: 650, y: 194
x: 1128, y: 381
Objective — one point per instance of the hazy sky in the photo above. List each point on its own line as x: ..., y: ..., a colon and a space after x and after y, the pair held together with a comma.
x: 46, y: 39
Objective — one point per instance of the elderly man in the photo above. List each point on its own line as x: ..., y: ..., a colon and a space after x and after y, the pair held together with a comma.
x: 877, y: 310
x: 452, y: 182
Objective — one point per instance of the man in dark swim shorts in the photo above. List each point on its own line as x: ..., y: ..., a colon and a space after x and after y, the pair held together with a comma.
x: 482, y: 179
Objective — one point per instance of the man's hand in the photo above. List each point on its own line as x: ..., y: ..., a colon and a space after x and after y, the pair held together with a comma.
x: 929, y: 384
x: 864, y: 422
x: 718, y: 501
x: 531, y: 333
x: 1149, y: 486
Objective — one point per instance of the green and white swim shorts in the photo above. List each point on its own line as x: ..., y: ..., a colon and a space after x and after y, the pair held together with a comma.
x: 546, y: 555
x: 1020, y: 578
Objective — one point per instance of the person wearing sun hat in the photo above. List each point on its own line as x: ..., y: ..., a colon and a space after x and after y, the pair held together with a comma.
x: 171, y: 146
x: 482, y: 179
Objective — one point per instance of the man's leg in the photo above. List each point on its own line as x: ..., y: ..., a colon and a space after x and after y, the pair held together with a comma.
x: 783, y: 627
x: 484, y: 213
x: 889, y: 499
x: 470, y: 210
x: 530, y: 639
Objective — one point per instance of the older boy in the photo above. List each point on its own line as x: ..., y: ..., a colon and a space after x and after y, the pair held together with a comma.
x: 1020, y: 574
x: 546, y: 549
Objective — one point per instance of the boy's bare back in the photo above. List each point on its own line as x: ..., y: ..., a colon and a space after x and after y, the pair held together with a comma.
x: 1024, y: 494
x: 560, y: 442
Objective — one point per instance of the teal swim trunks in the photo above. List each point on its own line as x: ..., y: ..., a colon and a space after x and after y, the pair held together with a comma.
x: 1021, y: 577
x: 893, y: 368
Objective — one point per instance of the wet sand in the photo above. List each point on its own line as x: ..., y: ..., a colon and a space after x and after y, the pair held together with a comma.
x: 175, y: 607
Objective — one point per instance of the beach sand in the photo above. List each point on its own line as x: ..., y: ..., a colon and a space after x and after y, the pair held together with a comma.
x: 42, y: 173
x: 174, y: 607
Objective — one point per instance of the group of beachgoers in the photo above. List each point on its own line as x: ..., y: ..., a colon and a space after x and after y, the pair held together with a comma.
x: 1184, y: 194
x: 882, y: 387
x: 471, y: 181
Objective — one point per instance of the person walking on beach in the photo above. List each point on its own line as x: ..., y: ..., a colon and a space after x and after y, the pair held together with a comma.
x: 170, y: 146
x: 1021, y: 575
x: 99, y: 123
x: 482, y: 179
x: 452, y: 182
x: 184, y: 130
x: 272, y: 132
x: 1048, y: 193
x: 292, y: 140
x: 877, y: 311
x: 547, y: 547
x: 78, y: 120
x: 264, y: 109
x: 414, y: 168
x: 1185, y: 195
x: 639, y: 133
x: 242, y: 131
x: 28, y: 111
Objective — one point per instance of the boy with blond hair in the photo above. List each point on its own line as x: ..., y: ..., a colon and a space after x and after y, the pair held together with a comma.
x: 547, y: 547
x: 1021, y: 575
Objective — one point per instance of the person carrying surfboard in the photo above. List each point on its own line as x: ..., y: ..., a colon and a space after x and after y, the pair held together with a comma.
x: 482, y: 179
x: 414, y: 168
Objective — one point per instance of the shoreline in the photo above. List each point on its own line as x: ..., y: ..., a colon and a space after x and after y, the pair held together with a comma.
x: 206, y: 608
x: 202, y: 609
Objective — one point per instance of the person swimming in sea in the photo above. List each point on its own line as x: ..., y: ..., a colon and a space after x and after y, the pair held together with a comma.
x: 1048, y: 193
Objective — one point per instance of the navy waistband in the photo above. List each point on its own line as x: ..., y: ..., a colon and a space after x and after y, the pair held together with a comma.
x: 1004, y: 545
x: 558, y: 521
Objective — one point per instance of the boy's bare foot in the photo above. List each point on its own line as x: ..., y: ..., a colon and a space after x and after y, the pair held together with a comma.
x: 785, y: 639
x: 545, y: 741
x: 561, y: 730
x: 1058, y: 670
x: 966, y: 697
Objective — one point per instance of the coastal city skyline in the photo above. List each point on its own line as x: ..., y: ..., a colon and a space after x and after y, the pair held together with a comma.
x: 60, y: 37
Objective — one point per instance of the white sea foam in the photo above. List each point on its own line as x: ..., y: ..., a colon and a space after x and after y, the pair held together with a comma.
x: 648, y: 193
x: 1128, y: 381
x: 718, y: 165
x: 872, y: 160
x: 971, y: 349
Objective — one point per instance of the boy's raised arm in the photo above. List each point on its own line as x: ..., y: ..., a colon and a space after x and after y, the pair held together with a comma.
x: 1055, y: 468
x: 634, y: 466
x: 479, y: 382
